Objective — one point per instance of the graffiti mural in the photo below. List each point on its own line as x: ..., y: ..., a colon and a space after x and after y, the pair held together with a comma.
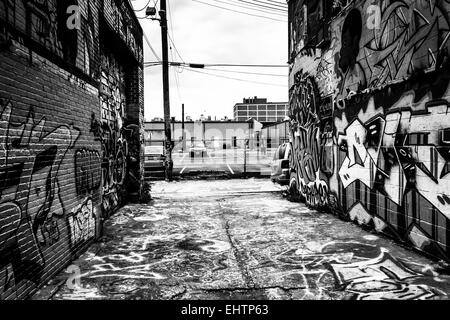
x: 87, y: 171
x: 383, y: 277
x: 45, y: 22
x: 420, y: 41
x: 397, y: 159
x: 409, y: 37
x: 30, y: 198
x: 363, y: 270
x: 109, y: 130
x: 383, y: 162
x: 82, y: 223
x: 309, y: 140
x: 53, y: 171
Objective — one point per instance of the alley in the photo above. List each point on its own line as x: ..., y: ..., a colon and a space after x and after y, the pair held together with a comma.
x: 241, y: 239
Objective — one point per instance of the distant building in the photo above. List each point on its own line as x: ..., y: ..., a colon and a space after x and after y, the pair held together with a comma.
x: 276, y: 134
x: 261, y: 110
x: 215, y: 134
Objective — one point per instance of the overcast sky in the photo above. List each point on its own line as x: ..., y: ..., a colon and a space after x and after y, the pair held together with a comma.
x: 205, y: 34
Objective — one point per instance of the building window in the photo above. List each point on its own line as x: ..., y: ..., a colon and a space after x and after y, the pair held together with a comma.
x: 262, y: 107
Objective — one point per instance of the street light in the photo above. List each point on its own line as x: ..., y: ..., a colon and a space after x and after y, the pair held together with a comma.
x: 150, y: 12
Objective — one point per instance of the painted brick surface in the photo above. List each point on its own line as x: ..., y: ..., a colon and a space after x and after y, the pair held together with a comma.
x: 69, y: 134
x: 369, y: 107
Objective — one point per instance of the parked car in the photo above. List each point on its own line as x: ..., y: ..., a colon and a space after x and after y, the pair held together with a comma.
x: 280, y: 166
x: 154, y: 159
x: 198, y: 149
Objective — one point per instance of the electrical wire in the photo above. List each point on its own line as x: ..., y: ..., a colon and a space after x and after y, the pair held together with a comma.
x: 246, y: 13
x: 175, y: 47
x: 251, y: 73
x: 145, y: 35
x: 151, y: 47
x: 195, y: 65
x: 239, y: 5
x: 237, y: 79
x: 264, y: 5
x: 175, y: 74
x: 172, y: 40
x: 139, y: 10
x: 277, y: 2
x: 246, y: 65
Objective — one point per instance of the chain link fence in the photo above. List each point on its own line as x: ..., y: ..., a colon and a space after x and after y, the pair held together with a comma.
x: 234, y: 158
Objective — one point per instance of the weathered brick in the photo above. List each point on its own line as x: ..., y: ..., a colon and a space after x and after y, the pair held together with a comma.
x: 47, y: 102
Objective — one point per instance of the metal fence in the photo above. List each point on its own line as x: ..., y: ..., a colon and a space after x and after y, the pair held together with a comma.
x: 224, y: 157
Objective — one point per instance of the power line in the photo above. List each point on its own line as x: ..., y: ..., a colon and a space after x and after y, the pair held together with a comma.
x: 277, y: 2
x: 246, y: 13
x: 175, y: 75
x: 175, y: 47
x: 246, y: 65
x: 200, y: 66
x: 145, y: 7
x: 145, y: 35
x: 251, y: 73
x: 237, y: 79
x: 172, y: 40
x: 264, y: 5
x: 150, y: 46
x: 231, y: 3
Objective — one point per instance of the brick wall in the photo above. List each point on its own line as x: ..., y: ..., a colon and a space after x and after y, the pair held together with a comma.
x: 63, y: 160
x: 369, y: 107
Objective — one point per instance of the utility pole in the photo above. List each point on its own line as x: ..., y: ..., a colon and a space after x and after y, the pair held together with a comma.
x: 245, y: 158
x: 183, y: 137
x: 165, y: 65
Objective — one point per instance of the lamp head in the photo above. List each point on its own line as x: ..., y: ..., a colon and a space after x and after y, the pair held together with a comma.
x: 150, y: 11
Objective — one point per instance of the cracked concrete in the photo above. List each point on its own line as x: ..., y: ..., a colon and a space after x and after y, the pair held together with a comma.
x: 241, y: 239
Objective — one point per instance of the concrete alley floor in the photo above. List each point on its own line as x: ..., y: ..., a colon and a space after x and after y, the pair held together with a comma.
x: 241, y: 239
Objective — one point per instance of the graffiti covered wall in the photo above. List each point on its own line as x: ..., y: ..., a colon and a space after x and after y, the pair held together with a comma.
x: 369, y: 108
x: 56, y: 173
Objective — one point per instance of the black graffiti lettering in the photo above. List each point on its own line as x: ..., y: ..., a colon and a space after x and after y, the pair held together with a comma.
x: 87, y: 171
x: 82, y: 223
x: 29, y: 213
